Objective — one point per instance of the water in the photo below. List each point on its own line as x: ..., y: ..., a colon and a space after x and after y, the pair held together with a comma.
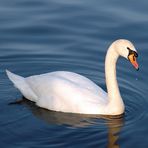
x: 43, y: 36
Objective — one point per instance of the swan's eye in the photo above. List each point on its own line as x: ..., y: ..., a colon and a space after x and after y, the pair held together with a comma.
x: 136, y: 54
x: 132, y: 52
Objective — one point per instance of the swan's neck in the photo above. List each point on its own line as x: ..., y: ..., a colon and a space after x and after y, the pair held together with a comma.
x: 116, y: 105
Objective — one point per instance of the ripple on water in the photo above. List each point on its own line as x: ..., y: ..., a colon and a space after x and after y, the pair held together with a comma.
x: 61, y: 125
x: 42, y: 36
x: 135, y: 104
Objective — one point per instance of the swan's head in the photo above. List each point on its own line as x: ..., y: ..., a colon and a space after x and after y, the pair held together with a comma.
x: 127, y: 50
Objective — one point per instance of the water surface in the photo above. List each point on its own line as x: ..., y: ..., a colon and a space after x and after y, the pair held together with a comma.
x: 43, y: 36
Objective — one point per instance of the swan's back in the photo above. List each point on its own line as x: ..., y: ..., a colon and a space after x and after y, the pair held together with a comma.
x: 66, y: 92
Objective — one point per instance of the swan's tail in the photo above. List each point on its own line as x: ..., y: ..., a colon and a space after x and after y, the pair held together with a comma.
x: 16, y: 79
x: 21, y: 84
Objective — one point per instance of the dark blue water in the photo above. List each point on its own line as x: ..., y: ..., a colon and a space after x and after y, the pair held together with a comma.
x: 39, y: 36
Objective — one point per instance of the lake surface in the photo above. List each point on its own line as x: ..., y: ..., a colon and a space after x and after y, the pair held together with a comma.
x: 49, y: 35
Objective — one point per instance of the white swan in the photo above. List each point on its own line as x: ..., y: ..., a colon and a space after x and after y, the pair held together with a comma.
x: 70, y: 92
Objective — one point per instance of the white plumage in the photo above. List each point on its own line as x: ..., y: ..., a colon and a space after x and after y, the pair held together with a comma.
x: 70, y: 92
x: 61, y: 91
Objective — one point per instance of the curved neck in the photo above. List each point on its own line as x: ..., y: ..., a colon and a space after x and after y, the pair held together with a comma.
x: 116, y: 105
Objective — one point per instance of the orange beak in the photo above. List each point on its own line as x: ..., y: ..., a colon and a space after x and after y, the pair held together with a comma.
x: 133, y: 61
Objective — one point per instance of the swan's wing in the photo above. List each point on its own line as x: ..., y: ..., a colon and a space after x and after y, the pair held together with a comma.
x: 62, y: 91
x: 83, y: 82
x: 59, y: 93
x: 44, y: 80
x: 49, y: 84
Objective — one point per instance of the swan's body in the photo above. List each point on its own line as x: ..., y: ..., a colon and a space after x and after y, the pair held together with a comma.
x: 63, y: 91
x: 70, y: 92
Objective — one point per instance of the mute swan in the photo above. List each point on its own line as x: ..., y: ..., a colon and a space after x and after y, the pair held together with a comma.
x: 70, y: 92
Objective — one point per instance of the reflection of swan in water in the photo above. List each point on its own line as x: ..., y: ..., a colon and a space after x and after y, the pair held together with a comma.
x: 114, y: 123
x: 114, y: 127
